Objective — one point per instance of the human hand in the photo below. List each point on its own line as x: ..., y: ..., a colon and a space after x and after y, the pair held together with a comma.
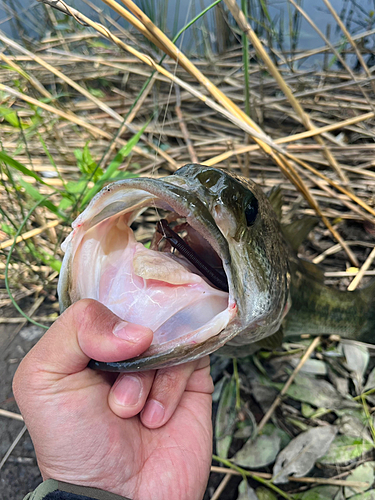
x: 86, y: 425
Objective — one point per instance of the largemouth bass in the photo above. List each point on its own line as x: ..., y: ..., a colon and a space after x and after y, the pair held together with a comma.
x: 218, y: 272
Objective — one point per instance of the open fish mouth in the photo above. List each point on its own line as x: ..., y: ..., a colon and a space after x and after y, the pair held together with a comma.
x: 180, y: 287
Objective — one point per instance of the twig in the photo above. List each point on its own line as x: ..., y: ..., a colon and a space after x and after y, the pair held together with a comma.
x: 12, y: 446
x: 278, y: 399
x: 10, y: 414
x: 353, y: 285
x: 219, y: 490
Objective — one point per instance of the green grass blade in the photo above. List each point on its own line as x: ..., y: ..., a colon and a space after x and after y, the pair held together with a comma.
x: 50, y: 157
x: 115, y: 163
x: 34, y: 193
x: 21, y: 168
x: 8, y: 262
x: 195, y: 19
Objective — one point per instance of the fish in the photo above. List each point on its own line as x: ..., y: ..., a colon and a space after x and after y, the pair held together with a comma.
x: 219, y: 275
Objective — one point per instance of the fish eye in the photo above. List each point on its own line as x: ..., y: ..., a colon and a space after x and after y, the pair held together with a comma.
x: 251, y: 212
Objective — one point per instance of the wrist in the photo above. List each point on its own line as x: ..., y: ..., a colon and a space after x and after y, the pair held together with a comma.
x: 58, y: 490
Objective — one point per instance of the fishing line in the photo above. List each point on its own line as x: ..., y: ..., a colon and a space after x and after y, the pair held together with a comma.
x: 166, y: 108
x: 170, y: 91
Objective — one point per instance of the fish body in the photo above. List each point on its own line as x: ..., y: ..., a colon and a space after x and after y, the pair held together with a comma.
x: 319, y: 309
x: 229, y: 224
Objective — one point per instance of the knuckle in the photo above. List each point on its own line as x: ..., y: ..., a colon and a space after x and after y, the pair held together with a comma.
x: 203, y: 363
x: 167, y: 381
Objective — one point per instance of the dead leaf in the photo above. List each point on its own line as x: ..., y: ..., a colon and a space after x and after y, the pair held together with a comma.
x: 300, y: 455
x: 246, y: 492
x: 317, y: 392
x: 225, y: 418
x: 344, y: 449
x: 370, y: 384
x: 363, y: 473
x: 357, y: 358
x: 313, y: 366
x: 259, y: 452
x: 349, y: 425
x: 318, y: 493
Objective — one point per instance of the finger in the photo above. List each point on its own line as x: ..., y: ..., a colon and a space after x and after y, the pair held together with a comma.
x: 129, y: 393
x: 201, y: 381
x: 166, y: 392
x: 87, y: 330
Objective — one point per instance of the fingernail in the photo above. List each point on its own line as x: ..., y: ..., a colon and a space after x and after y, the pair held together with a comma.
x: 130, y: 332
x: 127, y: 391
x: 153, y: 412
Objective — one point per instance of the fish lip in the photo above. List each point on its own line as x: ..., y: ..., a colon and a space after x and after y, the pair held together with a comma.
x: 188, y: 204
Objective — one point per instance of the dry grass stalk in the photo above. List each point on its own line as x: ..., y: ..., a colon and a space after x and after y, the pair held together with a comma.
x: 282, y: 162
x: 350, y: 40
x: 29, y: 234
x: 84, y: 92
x: 350, y: 195
x: 219, y: 490
x: 251, y: 35
x: 12, y: 446
x: 36, y: 84
x: 283, y: 391
x: 335, y: 52
x: 353, y: 285
x: 212, y: 132
x: 69, y: 116
x: 299, y: 151
x: 10, y: 414
x: 184, y: 129
x: 136, y: 23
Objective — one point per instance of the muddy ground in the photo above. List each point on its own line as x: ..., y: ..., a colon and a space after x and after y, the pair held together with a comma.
x: 20, y: 473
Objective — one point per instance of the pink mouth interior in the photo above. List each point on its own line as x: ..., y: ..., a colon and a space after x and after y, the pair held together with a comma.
x: 147, y: 287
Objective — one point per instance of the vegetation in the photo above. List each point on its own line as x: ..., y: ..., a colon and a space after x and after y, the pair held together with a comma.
x: 96, y: 100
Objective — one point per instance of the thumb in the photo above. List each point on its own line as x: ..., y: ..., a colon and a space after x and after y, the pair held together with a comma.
x: 87, y: 329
